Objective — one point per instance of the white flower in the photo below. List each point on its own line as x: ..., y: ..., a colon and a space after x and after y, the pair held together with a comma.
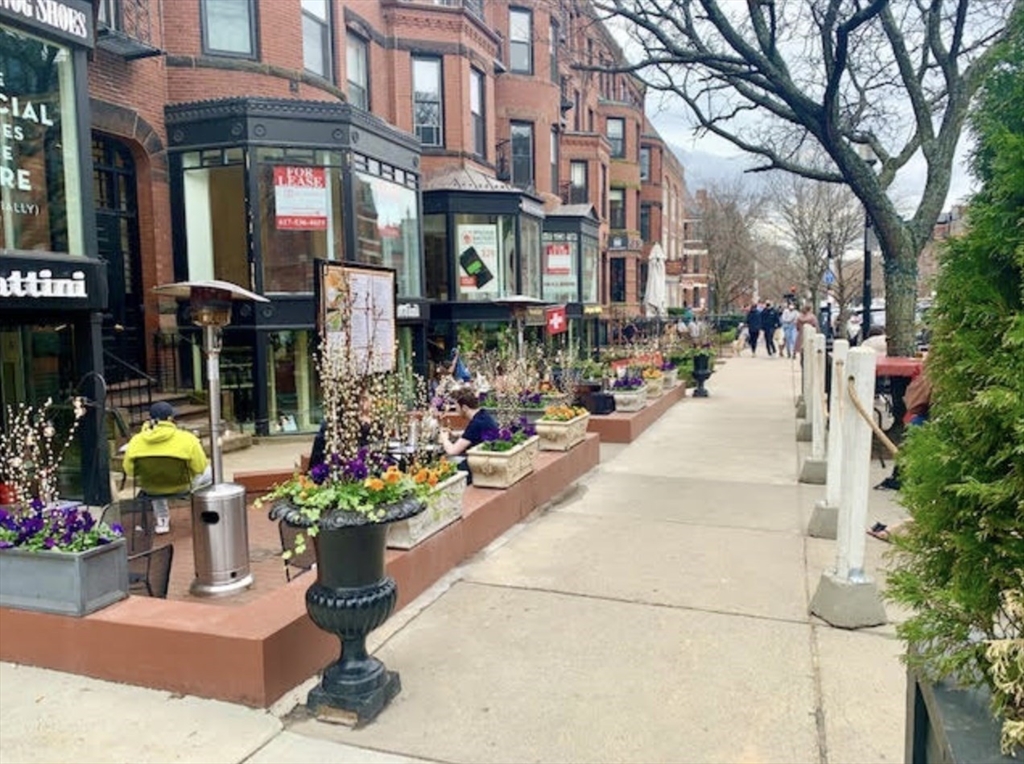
x: 49, y: 431
x: 15, y: 462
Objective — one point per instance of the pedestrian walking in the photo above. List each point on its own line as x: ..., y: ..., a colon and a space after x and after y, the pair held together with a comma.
x: 788, y: 321
x: 754, y: 326
x: 769, y: 325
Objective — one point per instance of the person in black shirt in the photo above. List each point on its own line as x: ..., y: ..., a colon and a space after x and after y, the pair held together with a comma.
x: 480, y: 421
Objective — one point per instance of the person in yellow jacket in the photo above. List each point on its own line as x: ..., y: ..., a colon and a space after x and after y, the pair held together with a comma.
x: 162, y: 437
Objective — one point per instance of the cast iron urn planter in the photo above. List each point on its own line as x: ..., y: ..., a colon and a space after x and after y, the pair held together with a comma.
x: 351, y: 597
x: 701, y: 372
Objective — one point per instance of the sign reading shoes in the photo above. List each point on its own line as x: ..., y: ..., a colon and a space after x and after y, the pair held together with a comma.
x: 66, y: 18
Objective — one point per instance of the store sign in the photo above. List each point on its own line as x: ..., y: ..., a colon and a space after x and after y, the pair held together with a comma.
x: 37, y: 284
x: 300, y: 198
x: 55, y: 282
x: 66, y: 19
x: 557, y: 259
x: 409, y: 310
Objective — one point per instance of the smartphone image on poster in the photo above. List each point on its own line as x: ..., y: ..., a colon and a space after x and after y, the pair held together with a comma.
x: 474, y: 266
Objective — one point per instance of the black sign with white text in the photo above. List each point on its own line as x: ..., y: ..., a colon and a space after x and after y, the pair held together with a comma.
x: 65, y: 20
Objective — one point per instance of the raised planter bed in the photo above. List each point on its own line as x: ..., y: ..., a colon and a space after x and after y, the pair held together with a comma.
x: 670, y: 378
x: 561, y: 436
x: 500, y: 469
x: 655, y: 387
x: 443, y: 508
x: 66, y: 583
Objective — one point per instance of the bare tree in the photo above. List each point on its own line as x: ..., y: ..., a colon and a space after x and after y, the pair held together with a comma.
x: 728, y: 215
x: 821, y: 220
x: 775, y: 77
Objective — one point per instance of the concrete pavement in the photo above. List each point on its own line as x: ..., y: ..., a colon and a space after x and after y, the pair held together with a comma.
x: 658, y: 613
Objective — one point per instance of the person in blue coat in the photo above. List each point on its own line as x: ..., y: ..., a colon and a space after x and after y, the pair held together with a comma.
x: 754, y: 326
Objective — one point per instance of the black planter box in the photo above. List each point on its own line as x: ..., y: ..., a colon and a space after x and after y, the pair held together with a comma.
x: 946, y: 725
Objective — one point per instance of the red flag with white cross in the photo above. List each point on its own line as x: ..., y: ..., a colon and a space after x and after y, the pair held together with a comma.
x: 556, y: 321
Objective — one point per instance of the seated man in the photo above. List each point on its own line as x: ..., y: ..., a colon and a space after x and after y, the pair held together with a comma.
x: 480, y: 421
x: 162, y: 437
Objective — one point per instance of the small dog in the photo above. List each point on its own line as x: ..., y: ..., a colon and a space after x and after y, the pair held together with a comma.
x: 742, y: 341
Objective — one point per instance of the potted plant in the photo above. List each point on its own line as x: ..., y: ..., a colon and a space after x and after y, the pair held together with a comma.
x: 959, y: 562
x: 654, y: 380
x: 504, y: 457
x: 629, y: 391
x: 669, y: 373
x: 54, y: 556
x: 447, y: 485
x: 562, y: 427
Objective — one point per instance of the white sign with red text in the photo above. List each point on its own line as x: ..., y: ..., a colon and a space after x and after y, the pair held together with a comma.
x: 300, y: 198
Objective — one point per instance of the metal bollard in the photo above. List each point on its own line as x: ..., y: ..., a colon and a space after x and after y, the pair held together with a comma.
x: 825, y: 517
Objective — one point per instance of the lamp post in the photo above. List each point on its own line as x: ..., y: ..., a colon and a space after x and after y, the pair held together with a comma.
x: 220, y: 532
x: 865, y: 323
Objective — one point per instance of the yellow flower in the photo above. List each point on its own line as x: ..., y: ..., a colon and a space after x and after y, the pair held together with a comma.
x: 421, y: 476
x: 432, y: 480
x: 374, y: 484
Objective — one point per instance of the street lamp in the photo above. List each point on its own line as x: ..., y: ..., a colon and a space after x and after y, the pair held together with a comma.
x: 865, y: 323
x: 220, y: 532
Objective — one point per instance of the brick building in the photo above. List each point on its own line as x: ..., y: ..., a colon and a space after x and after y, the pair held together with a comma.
x: 457, y: 142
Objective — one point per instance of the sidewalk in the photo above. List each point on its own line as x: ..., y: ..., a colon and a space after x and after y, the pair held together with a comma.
x: 659, y: 613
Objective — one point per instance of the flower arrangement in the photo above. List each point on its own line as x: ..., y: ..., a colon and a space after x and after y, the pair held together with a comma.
x: 433, y: 474
x: 651, y: 373
x: 627, y: 382
x: 507, y: 438
x: 528, y: 399
x: 31, y: 452
x: 59, y: 529
x: 562, y: 413
x: 667, y: 365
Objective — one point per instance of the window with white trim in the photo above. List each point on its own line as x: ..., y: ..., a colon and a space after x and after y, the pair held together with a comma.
x: 428, y: 114
x: 358, y: 65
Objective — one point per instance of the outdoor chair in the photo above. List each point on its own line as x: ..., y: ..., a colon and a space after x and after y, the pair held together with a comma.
x: 149, y: 572
x: 297, y: 564
x: 134, y: 517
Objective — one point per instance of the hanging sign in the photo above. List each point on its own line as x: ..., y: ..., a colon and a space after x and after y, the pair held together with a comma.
x: 300, y: 198
x: 556, y: 320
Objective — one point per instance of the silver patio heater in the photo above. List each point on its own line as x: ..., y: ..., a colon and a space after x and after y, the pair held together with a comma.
x: 220, y: 531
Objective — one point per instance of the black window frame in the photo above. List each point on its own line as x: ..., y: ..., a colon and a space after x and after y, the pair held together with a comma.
x: 527, y: 43
x: 478, y: 86
x: 553, y: 48
x: 614, y: 218
x: 254, y: 36
x: 554, y: 148
x: 616, y: 279
x: 364, y: 44
x: 579, y: 194
x: 521, y: 124
x: 618, y: 145
x: 645, y: 222
x: 440, y: 100
x: 645, y: 166
x: 326, y: 39
x: 642, y: 270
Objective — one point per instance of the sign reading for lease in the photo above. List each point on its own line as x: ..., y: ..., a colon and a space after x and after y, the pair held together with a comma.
x: 300, y: 198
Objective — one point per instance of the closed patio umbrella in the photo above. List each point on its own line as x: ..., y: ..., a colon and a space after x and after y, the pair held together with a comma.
x: 655, y: 297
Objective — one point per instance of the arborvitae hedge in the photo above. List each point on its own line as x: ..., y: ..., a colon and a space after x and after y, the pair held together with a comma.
x: 960, y: 564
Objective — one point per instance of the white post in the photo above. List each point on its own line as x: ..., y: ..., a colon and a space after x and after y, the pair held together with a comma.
x: 817, y: 407
x: 815, y: 467
x: 825, y: 517
x: 856, y: 447
x: 837, y: 405
x: 846, y: 596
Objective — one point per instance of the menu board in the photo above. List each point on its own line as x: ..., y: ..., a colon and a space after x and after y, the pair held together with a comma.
x: 357, y: 314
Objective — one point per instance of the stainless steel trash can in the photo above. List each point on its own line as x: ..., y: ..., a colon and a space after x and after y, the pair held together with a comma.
x: 220, y: 540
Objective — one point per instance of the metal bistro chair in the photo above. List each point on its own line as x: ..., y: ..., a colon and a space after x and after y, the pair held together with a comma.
x: 149, y: 572
x: 162, y: 477
x: 134, y: 517
x: 297, y: 564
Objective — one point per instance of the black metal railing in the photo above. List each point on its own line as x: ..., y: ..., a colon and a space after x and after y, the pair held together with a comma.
x: 168, y: 346
x: 129, y: 388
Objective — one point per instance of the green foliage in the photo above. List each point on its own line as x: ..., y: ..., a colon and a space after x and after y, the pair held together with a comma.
x: 963, y: 482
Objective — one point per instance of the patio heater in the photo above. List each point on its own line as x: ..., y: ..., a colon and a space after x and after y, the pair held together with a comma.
x: 220, y: 531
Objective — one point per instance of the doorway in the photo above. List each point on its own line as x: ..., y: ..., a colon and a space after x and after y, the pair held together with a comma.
x: 117, y: 233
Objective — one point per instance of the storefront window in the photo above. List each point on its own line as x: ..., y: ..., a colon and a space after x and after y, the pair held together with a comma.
x: 40, y: 186
x: 560, y: 267
x: 435, y: 246
x: 291, y: 382
x: 529, y: 231
x: 590, y: 271
x: 300, y: 197
x: 485, y: 256
x: 215, y: 219
x: 387, y: 229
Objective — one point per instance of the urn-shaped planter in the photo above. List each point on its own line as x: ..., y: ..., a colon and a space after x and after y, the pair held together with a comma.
x: 501, y: 469
x: 630, y: 400
x: 352, y: 596
x: 444, y: 507
x: 67, y: 583
x: 670, y: 378
x: 561, y: 436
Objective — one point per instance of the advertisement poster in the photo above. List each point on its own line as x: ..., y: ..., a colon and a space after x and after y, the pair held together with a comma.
x: 357, y: 314
x: 557, y: 259
x: 300, y: 198
x: 478, y: 258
